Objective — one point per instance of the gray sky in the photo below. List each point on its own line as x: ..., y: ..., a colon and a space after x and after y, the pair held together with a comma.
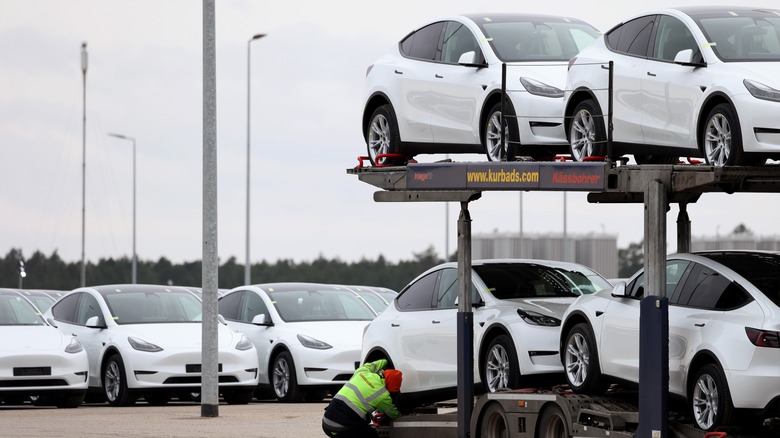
x: 144, y: 80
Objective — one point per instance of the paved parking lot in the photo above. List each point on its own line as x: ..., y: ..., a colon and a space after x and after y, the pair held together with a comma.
x: 257, y: 419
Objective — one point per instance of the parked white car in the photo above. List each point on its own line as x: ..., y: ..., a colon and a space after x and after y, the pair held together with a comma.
x: 517, y: 309
x: 691, y: 82
x: 307, y: 335
x: 146, y: 340
x: 439, y: 89
x: 36, y: 360
x: 724, y: 334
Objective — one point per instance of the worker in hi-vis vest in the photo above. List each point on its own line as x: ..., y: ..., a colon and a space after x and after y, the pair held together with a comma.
x: 369, y: 397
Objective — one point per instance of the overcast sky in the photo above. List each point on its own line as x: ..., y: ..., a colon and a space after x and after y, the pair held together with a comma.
x: 144, y: 80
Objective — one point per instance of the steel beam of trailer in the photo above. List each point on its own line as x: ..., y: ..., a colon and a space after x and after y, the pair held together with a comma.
x: 655, y: 186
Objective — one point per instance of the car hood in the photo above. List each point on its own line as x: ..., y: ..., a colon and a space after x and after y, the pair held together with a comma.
x: 178, y: 336
x: 32, y: 338
x: 550, y: 73
x: 554, y: 306
x: 768, y: 73
x: 336, y: 333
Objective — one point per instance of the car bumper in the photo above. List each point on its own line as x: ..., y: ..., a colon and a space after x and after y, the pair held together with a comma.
x: 759, y: 384
x: 536, y: 347
x: 540, y: 119
x: 183, y: 369
x: 33, y: 371
x: 759, y: 121
x: 325, y: 367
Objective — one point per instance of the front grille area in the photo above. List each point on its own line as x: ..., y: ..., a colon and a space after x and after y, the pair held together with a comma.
x: 196, y: 379
x: 32, y: 371
x: 195, y: 368
x: 32, y: 383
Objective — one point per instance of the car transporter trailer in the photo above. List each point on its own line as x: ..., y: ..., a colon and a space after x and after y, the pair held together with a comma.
x: 558, y: 412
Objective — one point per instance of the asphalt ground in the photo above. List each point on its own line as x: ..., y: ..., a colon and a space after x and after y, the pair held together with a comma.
x: 177, y: 419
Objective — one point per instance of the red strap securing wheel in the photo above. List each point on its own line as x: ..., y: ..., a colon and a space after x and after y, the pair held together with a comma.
x: 363, y: 158
x: 694, y: 161
x: 715, y: 435
x: 594, y: 158
x: 360, y: 161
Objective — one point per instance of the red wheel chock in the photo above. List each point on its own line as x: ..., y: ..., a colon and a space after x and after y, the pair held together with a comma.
x: 363, y: 158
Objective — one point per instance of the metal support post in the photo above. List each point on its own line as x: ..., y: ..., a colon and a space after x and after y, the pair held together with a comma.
x: 654, y: 320
x: 683, y: 229
x: 465, y: 327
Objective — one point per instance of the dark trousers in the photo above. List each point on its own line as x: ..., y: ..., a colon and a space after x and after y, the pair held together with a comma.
x: 361, y: 431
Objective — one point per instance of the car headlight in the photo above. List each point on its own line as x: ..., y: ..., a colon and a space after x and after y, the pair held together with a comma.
x: 534, y: 318
x: 244, y: 344
x: 540, y: 88
x: 141, y: 345
x: 74, y: 346
x: 761, y: 91
x: 309, y: 342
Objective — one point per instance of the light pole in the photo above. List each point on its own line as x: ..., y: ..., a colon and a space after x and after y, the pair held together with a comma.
x: 22, y: 272
x: 83, y: 161
x: 248, y: 266
x: 135, y: 258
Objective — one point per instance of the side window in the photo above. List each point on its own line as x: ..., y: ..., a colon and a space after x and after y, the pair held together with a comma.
x: 424, y: 43
x: 418, y: 296
x: 674, y: 272
x: 87, y: 308
x: 447, y: 292
x: 228, y: 305
x: 632, y: 37
x: 458, y: 40
x: 65, y: 309
x: 708, y: 289
x: 253, y: 306
x: 671, y: 37
x: 636, y: 289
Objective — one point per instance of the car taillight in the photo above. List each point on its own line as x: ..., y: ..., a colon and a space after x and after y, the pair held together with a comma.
x: 571, y: 61
x: 763, y: 338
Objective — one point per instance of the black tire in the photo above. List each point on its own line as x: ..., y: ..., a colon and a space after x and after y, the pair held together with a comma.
x: 315, y: 395
x: 722, y: 137
x: 587, y: 135
x: 157, y: 398
x: 265, y: 392
x: 285, y: 380
x: 710, y: 399
x: 383, y: 137
x: 552, y: 423
x: 71, y: 400
x: 500, y: 368
x: 581, y: 361
x: 493, y: 422
x: 497, y: 147
x: 115, y: 382
x: 238, y: 396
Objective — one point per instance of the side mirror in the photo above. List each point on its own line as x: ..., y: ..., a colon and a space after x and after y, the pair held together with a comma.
x: 620, y: 290
x: 687, y: 58
x: 94, y: 322
x: 51, y: 322
x: 469, y: 59
x: 262, y: 320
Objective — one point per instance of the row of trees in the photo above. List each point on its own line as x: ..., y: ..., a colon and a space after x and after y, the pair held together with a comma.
x: 51, y: 272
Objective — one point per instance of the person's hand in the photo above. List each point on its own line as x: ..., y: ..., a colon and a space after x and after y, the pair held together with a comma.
x: 378, y: 419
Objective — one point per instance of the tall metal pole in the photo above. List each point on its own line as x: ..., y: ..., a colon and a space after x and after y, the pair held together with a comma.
x: 134, y: 275
x: 210, y: 354
x: 521, y: 247
x: 83, y: 162
x: 565, y: 234
x: 248, y: 266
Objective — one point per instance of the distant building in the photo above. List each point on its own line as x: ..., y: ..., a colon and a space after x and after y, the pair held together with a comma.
x: 597, y: 250
x: 736, y: 241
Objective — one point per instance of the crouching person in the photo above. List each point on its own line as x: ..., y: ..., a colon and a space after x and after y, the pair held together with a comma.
x: 371, y: 389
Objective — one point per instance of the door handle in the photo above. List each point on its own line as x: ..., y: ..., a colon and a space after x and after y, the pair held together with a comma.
x: 651, y: 74
x: 439, y: 76
x: 398, y: 72
x: 700, y: 324
x: 392, y: 324
x: 435, y: 322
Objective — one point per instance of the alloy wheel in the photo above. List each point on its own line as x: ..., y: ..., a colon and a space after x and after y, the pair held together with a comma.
x: 705, y: 401
x: 281, y: 378
x: 497, y: 369
x: 717, y: 140
x: 495, y: 142
x: 577, y: 359
x: 583, y: 135
x: 379, y: 137
x: 112, y: 381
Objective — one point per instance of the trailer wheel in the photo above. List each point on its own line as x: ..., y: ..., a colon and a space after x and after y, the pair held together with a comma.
x: 493, y: 423
x: 552, y: 423
x: 581, y: 361
x: 500, y: 368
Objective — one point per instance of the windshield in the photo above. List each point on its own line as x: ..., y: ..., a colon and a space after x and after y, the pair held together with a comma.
x: 542, y: 40
x: 314, y: 305
x: 743, y: 36
x: 15, y: 310
x: 143, y: 307
x: 513, y: 280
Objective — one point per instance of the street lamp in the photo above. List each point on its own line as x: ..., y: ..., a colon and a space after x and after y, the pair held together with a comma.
x: 135, y: 258
x: 248, y: 266
x: 83, y: 162
x: 22, y: 272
